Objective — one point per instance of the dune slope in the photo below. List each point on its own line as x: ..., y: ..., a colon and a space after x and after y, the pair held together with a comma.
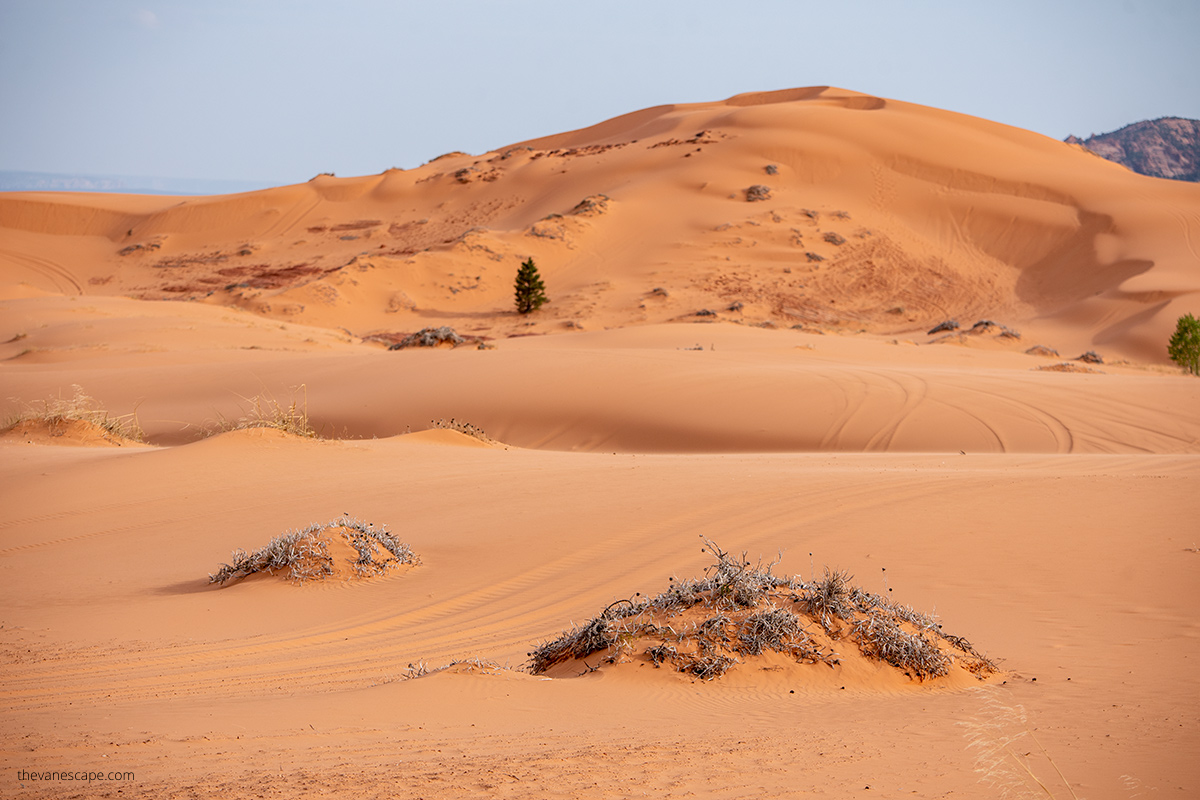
x: 877, y: 215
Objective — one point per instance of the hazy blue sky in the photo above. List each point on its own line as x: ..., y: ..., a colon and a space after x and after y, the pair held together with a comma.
x: 279, y: 91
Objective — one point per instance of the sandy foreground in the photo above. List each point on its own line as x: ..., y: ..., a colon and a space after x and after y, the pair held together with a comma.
x: 1043, y: 507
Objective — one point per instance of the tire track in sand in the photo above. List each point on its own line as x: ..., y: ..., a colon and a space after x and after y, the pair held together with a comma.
x: 57, y: 274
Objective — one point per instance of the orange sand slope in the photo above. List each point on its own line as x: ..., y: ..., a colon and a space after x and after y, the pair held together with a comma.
x: 881, y: 215
x: 1045, y: 513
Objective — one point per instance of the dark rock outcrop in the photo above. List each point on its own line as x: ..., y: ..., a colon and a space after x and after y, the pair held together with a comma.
x: 1163, y: 148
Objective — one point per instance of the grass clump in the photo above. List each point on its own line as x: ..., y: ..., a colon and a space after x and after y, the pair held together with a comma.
x: 704, y: 627
x: 267, y: 412
x: 306, y: 554
x: 58, y: 413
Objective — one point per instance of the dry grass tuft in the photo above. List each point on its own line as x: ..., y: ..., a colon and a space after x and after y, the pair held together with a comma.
x: 304, y: 554
x: 704, y: 627
x: 994, y: 734
x: 57, y: 412
x: 267, y: 412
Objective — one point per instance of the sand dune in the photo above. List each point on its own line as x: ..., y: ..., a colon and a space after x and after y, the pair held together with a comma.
x: 916, y: 214
x: 1041, y: 506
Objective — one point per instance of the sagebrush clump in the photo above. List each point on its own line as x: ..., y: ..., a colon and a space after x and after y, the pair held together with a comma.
x: 305, y: 554
x: 704, y: 627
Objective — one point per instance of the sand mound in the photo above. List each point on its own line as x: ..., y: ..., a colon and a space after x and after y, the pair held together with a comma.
x: 75, y: 420
x: 451, y: 436
x: 71, y: 432
x: 343, y: 549
x: 741, y: 613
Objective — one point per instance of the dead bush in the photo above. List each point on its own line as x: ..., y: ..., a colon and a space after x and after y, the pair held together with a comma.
x: 739, y: 609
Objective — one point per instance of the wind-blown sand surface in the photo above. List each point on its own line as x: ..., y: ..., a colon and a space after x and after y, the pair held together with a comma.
x: 1048, y: 516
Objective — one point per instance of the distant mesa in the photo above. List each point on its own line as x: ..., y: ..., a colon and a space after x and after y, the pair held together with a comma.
x: 1161, y: 148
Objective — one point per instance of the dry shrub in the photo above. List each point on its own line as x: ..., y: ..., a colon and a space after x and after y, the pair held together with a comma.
x: 779, y: 630
x: 472, y: 664
x: 430, y: 337
x: 828, y: 599
x: 304, y: 554
x: 879, y: 636
x: 740, y: 609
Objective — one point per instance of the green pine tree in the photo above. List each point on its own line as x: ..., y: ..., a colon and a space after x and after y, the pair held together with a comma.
x: 1184, y: 347
x: 531, y: 292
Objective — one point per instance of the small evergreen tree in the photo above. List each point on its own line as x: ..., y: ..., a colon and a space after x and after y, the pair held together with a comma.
x: 531, y: 292
x: 1184, y: 347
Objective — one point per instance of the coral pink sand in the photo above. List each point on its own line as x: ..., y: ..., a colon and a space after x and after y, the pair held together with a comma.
x: 1049, y: 517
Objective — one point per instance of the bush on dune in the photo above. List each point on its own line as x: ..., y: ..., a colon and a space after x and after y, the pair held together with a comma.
x: 704, y: 627
x: 305, y: 554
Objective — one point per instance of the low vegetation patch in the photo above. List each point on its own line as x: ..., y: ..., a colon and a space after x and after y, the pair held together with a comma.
x: 472, y: 665
x: 267, y: 412
x: 430, y: 337
x: 706, y: 626
x: 58, y: 413
x: 345, y: 547
x: 1067, y: 366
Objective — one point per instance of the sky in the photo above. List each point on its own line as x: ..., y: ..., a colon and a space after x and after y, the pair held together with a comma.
x: 277, y: 92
